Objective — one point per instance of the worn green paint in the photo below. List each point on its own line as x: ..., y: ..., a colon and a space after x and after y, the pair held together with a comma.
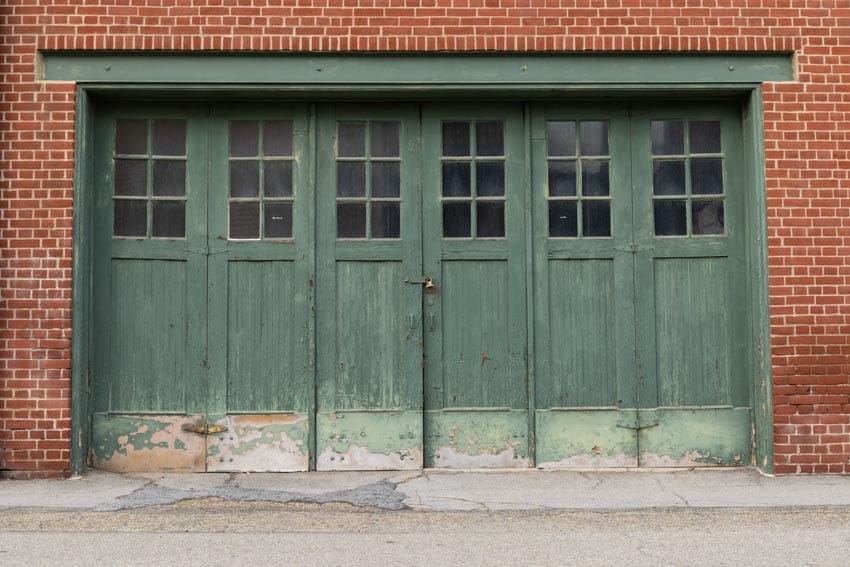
x: 464, y: 439
x: 260, y: 442
x: 697, y: 437
x: 585, y: 438
x: 373, y: 440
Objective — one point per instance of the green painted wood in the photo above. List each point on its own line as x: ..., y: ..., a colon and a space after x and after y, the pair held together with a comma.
x: 584, y: 438
x: 369, y: 440
x: 477, y: 439
x: 697, y: 437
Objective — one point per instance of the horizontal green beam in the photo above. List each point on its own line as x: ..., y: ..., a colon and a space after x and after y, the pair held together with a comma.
x: 420, y: 71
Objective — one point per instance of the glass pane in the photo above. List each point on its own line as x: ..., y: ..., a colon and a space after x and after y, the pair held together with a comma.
x: 561, y: 138
x: 562, y: 179
x: 705, y: 137
x: 456, y: 180
x: 131, y: 218
x: 491, y: 220
x: 386, y: 179
x: 277, y: 138
x: 563, y: 219
x: 668, y: 137
x: 244, y: 179
x: 456, y: 220
x: 489, y: 139
x: 244, y: 220
x: 169, y: 219
x: 352, y: 139
x: 594, y: 178
x: 707, y: 176
x: 594, y: 138
x: 350, y: 179
x: 385, y: 137
x: 131, y: 177
x: 169, y: 137
x: 278, y: 220
x: 351, y: 220
x: 670, y: 218
x: 490, y: 178
x: 277, y: 178
x: 596, y: 218
x: 169, y: 178
x: 455, y: 138
x: 244, y: 138
x: 131, y: 137
x: 668, y: 177
x: 386, y: 220
x: 707, y: 217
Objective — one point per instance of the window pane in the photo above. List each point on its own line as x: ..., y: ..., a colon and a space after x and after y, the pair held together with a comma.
x: 489, y: 139
x: 668, y: 137
x: 244, y: 220
x: 707, y: 217
x: 668, y: 177
x: 130, y: 219
x: 351, y: 179
x: 169, y: 178
x: 491, y: 220
x: 131, y: 177
x: 670, y: 218
x: 386, y: 179
x: 561, y: 138
x: 456, y: 220
x: 594, y: 138
x: 385, y: 138
x: 169, y: 219
x: 244, y: 138
x: 563, y: 219
x: 596, y: 218
x: 169, y: 137
x: 707, y: 176
x: 705, y: 137
x: 562, y: 179
x: 594, y: 178
x: 244, y: 179
x: 278, y: 220
x: 351, y: 220
x: 131, y: 137
x: 277, y: 179
x: 352, y: 139
x: 456, y: 180
x: 455, y: 139
x: 277, y: 138
x: 490, y: 178
x: 386, y: 219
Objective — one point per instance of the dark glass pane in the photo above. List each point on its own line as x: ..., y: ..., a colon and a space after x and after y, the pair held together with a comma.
x: 277, y: 178
x: 594, y: 178
x: 131, y: 177
x: 707, y: 176
x: 563, y: 218
x: 131, y: 137
x: 491, y: 219
x: 456, y: 180
x: 277, y: 138
x: 386, y: 220
x: 489, y: 139
x: 561, y: 138
x: 562, y: 179
x: 594, y: 138
x: 244, y: 220
x: 352, y: 139
x: 244, y: 179
x: 596, y: 218
x: 244, y: 138
x: 131, y: 218
x: 169, y: 219
x: 350, y: 179
x: 668, y: 137
x: 705, y: 137
x: 386, y: 179
x: 456, y: 220
x: 278, y: 220
x: 455, y: 138
x: 707, y: 217
x: 668, y: 177
x: 670, y: 218
x: 351, y: 220
x: 169, y: 178
x: 490, y: 178
x: 169, y: 137
x: 385, y: 138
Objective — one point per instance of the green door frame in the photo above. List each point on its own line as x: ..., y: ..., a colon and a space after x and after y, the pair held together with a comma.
x: 518, y: 77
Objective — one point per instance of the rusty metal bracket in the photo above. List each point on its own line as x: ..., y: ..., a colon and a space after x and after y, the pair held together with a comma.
x: 204, y: 428
x: 641, y: 419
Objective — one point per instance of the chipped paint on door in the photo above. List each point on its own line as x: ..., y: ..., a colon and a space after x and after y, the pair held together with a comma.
x: 377, y: 440
x: 147, y: 443
x: 477, y: 439
x: 697, y: 437
x: 584, y: 439
x: 259, y: 443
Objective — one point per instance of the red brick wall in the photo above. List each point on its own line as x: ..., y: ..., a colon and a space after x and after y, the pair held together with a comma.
x: 807, y: 144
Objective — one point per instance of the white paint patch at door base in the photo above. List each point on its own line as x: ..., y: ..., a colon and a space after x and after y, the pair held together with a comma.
x: 357, y: 458
x: 448, y: 458
x: 590, y: 461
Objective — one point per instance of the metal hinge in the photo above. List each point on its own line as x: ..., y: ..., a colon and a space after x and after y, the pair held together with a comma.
x: 638, y: 420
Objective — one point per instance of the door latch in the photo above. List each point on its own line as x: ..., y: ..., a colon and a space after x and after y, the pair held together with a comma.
x: 204, y: 428
x: 427, y: 281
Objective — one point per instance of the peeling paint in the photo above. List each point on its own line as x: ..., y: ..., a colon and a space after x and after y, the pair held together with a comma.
x: 259, y: 443
x: 358, y: 458
x: 591, y: 461
x: 369, y: 440
x: 477, y: 439
x: 448, y: 457
x: 688, y: 459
